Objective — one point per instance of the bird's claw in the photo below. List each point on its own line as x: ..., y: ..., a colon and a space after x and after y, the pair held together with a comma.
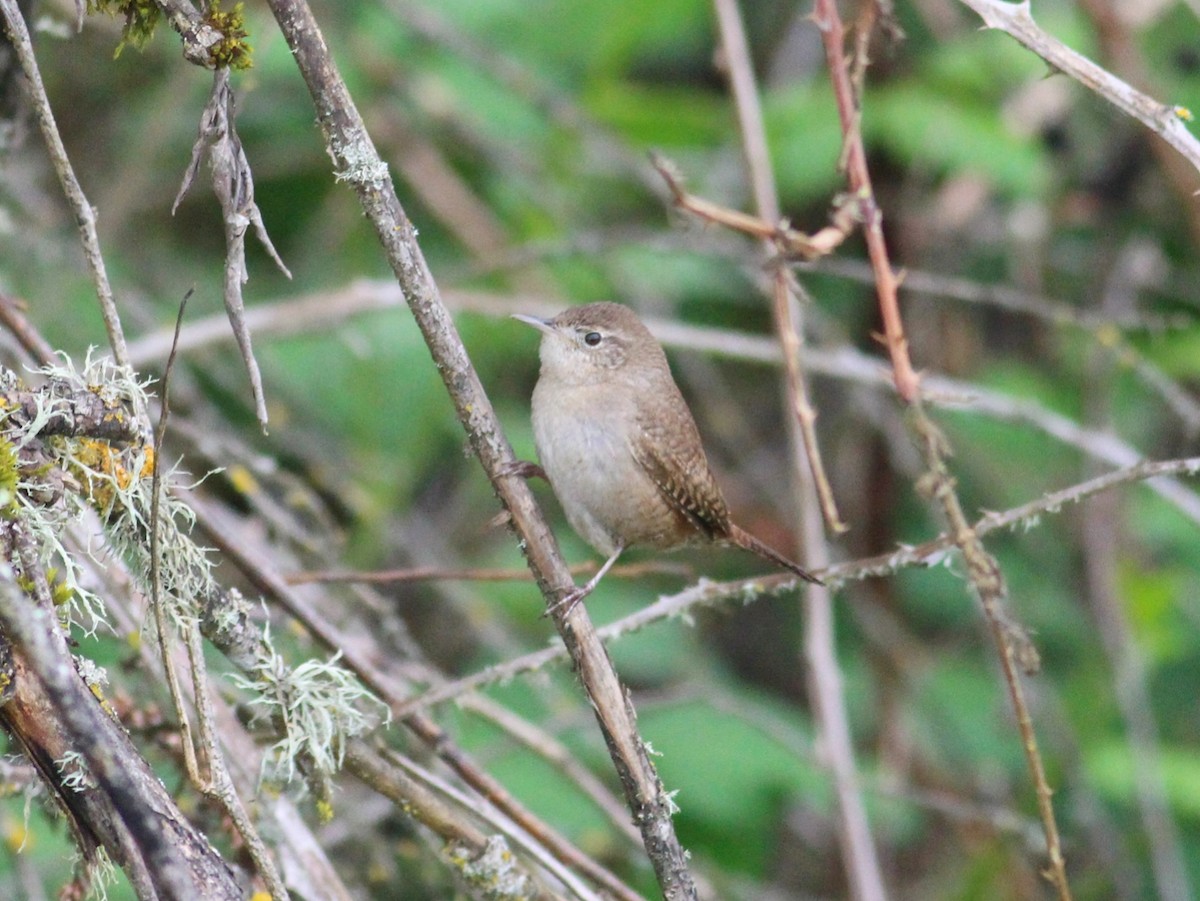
x: 567, y: 602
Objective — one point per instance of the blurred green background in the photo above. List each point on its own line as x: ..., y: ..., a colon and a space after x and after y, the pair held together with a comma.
x: 517, y: 134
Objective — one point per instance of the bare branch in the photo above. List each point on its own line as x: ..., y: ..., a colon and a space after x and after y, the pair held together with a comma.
x: 859, y: 856
x: 1016, y: 19
x: 833, y: 36
x: 85, y: 216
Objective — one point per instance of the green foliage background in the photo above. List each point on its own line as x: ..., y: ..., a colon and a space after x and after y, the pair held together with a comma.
x: 988, y: 169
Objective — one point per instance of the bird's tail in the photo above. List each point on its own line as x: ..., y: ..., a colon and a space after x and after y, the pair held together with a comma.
x: 745, y: 540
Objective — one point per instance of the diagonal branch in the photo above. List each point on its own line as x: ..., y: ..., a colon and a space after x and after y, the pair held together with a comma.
x: 1013, y: 646
x: 85, y: 216
x: 1016, y: 20
x: 358, y: 163
x: 178, y: 860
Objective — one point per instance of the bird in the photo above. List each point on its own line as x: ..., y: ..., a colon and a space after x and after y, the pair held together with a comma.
x: 619, y: 445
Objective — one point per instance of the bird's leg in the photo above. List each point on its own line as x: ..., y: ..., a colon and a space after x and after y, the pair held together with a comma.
x: 525, y: 469
x: 577, y: 594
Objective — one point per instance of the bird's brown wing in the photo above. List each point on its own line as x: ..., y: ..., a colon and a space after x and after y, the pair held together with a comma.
x: 671, y: 454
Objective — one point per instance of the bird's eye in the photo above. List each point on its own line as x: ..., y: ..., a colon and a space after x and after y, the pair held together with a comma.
x: 591, y: 339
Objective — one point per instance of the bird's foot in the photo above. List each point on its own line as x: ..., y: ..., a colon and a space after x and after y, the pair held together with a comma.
x: 567, y: 602
x: 564, y: 605
x: 525, y: 469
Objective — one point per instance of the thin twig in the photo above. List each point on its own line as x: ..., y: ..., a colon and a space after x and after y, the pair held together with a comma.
x: 1101, y: 540
x: 85, y: 216
x: 265, y: 579
x: 498, y: 821
x: 833, y: 36
x: 476, y: 574
x: 789, y: 326
x: 1005, y: 297
x: 1013, y: 646
x: 143, y: 804
x: 1106, y: 330
x: 422, y: 799
x: 776, y: 232
x: 156, y: 587
x: 218, y: 785
x: 845, y: 363
x: 859, y: 856
x: 928, y: 553
x: 560, y: 757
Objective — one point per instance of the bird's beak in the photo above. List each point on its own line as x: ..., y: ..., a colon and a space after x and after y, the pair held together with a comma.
x: 544, y: 325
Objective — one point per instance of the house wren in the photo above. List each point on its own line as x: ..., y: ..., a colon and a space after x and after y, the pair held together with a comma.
x: 618, y: 443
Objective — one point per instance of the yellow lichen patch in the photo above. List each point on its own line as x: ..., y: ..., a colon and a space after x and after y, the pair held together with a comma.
x: 242, y: 479
x: 17, y: 837
x: 10, y: 475
x: 102, y: 470
x: 232, y: 51
x: 104, y: 705
x: 60, y: 592
x: 324, y: 811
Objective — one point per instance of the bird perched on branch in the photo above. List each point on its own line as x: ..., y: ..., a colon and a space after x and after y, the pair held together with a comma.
x: 618, y: 443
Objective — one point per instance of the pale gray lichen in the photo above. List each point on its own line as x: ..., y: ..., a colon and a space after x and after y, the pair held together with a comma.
x: 74, y: 771
x: 361, y: 166
x: 494, y: 872
x: 318, y: 706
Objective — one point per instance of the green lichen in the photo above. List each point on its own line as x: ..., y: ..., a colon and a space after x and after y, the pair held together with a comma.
x: 232, y: 51
x: 141, y: 18
x: 10, y: 476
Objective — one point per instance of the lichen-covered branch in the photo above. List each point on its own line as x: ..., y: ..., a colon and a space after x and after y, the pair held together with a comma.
x: 177, y: 860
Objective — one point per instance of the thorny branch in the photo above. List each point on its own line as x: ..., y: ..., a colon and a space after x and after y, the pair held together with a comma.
x: 1013, y: 646
x: 1016, y: 20
x: 824, y: 679
x: 926, y: 554
x: 833, y: 36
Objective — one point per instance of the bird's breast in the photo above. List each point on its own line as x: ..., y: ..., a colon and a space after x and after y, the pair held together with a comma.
x: 583, y: 438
